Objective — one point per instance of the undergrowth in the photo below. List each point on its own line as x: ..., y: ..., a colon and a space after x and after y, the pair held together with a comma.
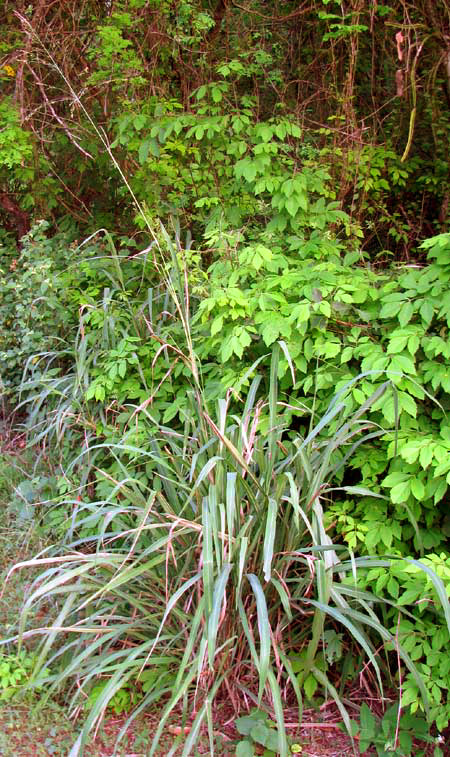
x: 206, y: 569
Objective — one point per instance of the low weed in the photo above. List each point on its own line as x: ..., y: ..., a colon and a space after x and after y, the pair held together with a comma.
x: 394, y: 734
x: 259, y: 731
x: 15, y: 672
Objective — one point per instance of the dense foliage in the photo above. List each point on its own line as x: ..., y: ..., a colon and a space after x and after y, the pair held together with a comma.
x: 208, y: 105
x: 239, y: 392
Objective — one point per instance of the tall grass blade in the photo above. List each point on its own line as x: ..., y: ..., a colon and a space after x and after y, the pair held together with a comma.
x: 218, y: 600
x: 263, y: 630
x: 269, y: 538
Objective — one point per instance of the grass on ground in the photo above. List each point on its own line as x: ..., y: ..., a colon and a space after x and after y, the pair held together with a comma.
x: 28, y: 729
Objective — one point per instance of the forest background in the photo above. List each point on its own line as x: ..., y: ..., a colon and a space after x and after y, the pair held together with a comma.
x: 224, y: 258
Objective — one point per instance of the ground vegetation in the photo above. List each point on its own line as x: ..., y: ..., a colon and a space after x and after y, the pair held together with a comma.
x: 224, y: 269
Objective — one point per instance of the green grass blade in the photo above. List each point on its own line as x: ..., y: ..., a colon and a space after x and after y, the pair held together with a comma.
x: 272, y: 451
x: 284, y: 597
x: 283, y: 747
x: 323, y: 679
x: 243, y: 547
x: 354, y: 630
x: 269, y: 538
x: 293, y: 681
x: 264, y: 632
x: 190, y: 646
x: 178, y: 694
x: 173, y: 600
x: 195, y: 728
x: 231, y: 506
x: 207, y: 556
x: 249, y: 636
x: 217, y: 602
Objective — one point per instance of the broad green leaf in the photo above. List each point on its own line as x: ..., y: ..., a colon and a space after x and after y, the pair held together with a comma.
x: 217, y: 325
x: 300, y: 313
x: 426, y: 455
x: 245, y: 723
x: 292, y: 205
x: 397, y: 344
x: 270, y: 332
x: 405, y: 313
x: 395, y: 478
x: 407, y: 403
x: 325, y: 309
x: 201, y: 92
x: 409, y: 597
x: 310, y: 685
x: 367, y: 721
x: 331, y: 349
x: 427, y: 311
x: 400, y: 492
x: 248, y: 169
x: 265, y: 132
x: 413, y: 344
x: 245, y: 749
x: 402, y: 364
x: 260, y: 733
x: 386, y: 535
x: 389, y: 309
x: 346, y: 354
x: 417, y: 489
x: 302, y: 199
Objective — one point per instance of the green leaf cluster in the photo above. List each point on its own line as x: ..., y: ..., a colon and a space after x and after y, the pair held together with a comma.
x: 395, y: 733
x: 32, y: 312
x: 423, y: 633
x: 16, y: 672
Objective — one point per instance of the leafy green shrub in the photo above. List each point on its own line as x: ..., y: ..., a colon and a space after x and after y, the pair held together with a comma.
x: 122, y: 701
x: 16, y: 145
x: 32, y: 312
x: 23, y: 171
x: 394, y: 733
x: 338, y: 320
x: 15, y: 673
x: 220, y: 168
x: 424, y: 632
